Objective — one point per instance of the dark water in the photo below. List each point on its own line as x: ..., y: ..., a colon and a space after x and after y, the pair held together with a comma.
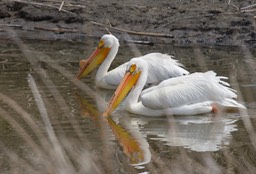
x: 67, y: 134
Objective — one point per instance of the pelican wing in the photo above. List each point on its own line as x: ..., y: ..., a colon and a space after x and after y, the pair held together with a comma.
x: 162, y: 67
x: 187, y: 90
x: 181, y: 80
x: 209, y: 76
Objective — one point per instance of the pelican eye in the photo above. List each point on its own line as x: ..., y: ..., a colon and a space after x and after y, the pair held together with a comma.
x: 132, y: 68
x: 101, y: 44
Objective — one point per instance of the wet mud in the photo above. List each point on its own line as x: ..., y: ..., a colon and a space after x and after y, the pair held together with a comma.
x: 211, y: 22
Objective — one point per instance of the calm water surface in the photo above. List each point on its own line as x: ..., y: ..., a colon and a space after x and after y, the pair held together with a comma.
x: 124, y: 143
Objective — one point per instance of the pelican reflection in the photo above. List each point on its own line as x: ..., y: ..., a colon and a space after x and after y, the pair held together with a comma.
x: 128, y: 136
x: 199, y: 133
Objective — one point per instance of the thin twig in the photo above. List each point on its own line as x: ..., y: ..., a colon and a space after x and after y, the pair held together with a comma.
x: 109, y: 25
x: 59, y: 30
x: 11, y: 25
x: 42, y: 4
x: 247, y: 11
x: 74, y: 5
x: 108, y: 30
x: 67, y: 3
x: 233, y: 5
x: 249, y: 6
x: 61, y: 5
x: 133, y: 32
x: 140, y: 42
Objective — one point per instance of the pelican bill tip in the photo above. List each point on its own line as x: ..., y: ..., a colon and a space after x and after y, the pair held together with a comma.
x: 77, y: 78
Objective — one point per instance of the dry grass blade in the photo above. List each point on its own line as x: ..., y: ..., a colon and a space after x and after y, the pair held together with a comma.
x: 34, y: 57
x: 34, y: 125
x: 20, y: 130
x: 59, y: 154
x: 246, y: 118
x: 200, y: 59
x: 16, y: 159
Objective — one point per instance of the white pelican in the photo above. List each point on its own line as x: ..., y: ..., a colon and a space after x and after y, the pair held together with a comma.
x: 105, y: 54
x: 186, y: 95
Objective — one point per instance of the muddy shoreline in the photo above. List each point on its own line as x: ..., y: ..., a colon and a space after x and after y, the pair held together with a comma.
x: 147, y: 22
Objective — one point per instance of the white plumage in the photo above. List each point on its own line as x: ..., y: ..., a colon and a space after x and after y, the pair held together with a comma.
x: 186, y: 95
x: 160, y: 66
x: 156, y: 61
x: 186, y: 90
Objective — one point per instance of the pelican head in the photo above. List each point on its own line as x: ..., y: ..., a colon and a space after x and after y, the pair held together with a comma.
x: 102, y: 52
x: 130, y: 79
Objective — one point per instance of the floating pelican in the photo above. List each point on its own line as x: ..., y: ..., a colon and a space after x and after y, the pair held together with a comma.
x: 186, y: 95
x: 105, y: 54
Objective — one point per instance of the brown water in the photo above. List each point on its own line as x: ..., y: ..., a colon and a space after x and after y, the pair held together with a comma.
x: 67, y: 134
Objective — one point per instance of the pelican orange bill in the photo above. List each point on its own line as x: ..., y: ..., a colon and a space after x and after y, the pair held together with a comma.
x: 128, y: 81
x: 97, y: 57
